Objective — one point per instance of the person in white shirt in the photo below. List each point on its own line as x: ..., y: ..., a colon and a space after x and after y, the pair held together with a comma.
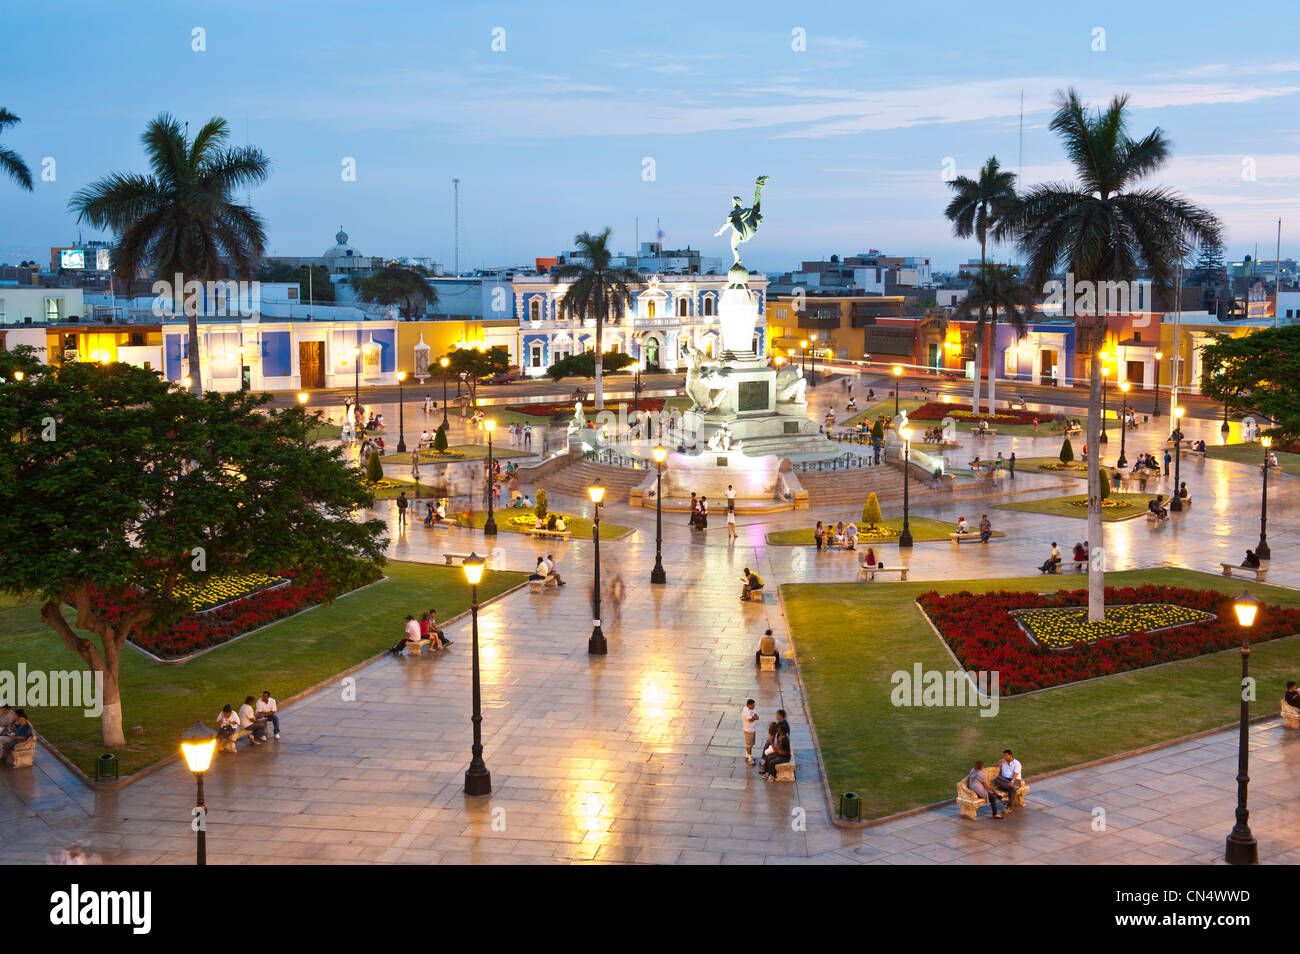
x: 553, y: 572
x: 749, y: 725
x: 1008, y: 779
x: 248, y: 720
x: 962, y: 525
x: 227, y: 722
x: 851, y: 536
x: 731, y: 524
x: 541, y: 570
x: 267, y: 709
x: 731, y: 497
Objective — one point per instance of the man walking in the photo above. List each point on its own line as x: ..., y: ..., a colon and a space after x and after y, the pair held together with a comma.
x: 1011, y: 463
x: 402, y: 504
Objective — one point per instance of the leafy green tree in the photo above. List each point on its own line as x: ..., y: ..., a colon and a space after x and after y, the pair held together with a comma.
x: 1109, y: 226
x: 584, y: 365
x: 374, y: 469
x: 440, y: 439
x: 539, y: 510
x: 878, y: 430
x: 596, y: 290
x: 11, y: 164
x: 398, y: 285
x: 319, y: 288
x: 1257, y: 374
x: 115, y: 488
x: 475, y: 363
x: 1067, y: 452
x: 871, y: 514
x: 983, y: 207
x: 182, y: 218
x: 1105, y: 484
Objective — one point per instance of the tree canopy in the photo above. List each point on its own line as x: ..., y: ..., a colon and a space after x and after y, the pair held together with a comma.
x: 584, y: 365
x: 1257, y: 373
x: 398, y: 285
x: 320, y: 288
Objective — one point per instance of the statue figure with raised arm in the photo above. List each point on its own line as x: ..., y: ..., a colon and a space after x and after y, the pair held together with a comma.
x: 743, y: 222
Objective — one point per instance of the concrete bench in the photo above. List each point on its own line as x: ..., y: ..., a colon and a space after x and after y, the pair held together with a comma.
x: 869, y: 572
x: 436, y: 525
x: 987, y: 432
x: 1152, y: 515
x: 960, y: 538
x: 451, y: 558
x: 970, y: 803
x: 752, y: 596
x: 543, y: 533
x: 228, y: 745
x: 785, y: 771
x: 1019, y: 404
x: 1074, y: 566
x: 536, y: 586
x: 1290, y: 716
x: 21, y: 755
x: 415, y: 647
x: 1230, y: 569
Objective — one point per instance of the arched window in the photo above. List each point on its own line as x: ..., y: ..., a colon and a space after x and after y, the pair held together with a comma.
x: 708, y: 306
x: 650, y: 309
x: 535, y: 310
x: 681, y: 308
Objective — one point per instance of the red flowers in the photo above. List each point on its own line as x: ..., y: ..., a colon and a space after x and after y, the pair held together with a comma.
x: 981, y: 632
x: 651, y: 405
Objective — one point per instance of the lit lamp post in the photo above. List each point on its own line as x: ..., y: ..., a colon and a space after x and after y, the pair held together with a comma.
x: 444, y: 362
x: 401, y: 413
x: 1224, y: 428
x: 898, y: 373
x: 1241, y: 848
x: 1123, y: 424
x: 478, y: 780
x: 187, y: 381
x: 1176, y: 504
x: 490, y: 526
x: 812, y: 368
x: 197, y: 745
x: 803, y: 357
x: 596, y: 645
x: 657, y: 575
x: 356, y: 377
x: 1105, y: 380
x: 1262, y: 551
x: 1155, y: 410
x: 905, y: 537
x: 19, y: 375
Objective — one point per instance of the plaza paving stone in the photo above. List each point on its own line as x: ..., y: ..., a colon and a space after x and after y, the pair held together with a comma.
x: 636, y: 757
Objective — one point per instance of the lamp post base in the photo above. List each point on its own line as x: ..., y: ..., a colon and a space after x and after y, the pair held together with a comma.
x: 596, y: 645
x: 1103, y: 439
x: 1241, y: 848
x: 401, y: 446
x: 1176, y: 505
x: 1262, y: 551
x: 657, y: 575
x: 905, y: 538
x: 478, y: 780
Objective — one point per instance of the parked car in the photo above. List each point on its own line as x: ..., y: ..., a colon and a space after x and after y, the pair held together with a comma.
x: 502, y: 377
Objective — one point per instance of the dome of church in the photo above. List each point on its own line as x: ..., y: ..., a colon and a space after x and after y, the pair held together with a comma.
x: 341, y: 248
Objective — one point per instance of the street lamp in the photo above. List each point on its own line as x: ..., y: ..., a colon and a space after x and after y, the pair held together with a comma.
x: 1262, y: 551
x: 1224, y: 429
x: 478, y: 780
x: 1176, y: 504
x: 1155, y: 410
x: 490, y: 527
x: 1105, y: 380
x: 898, y: 373
x: 356, y: 377
x: 187, y: 381
x: 596, y: 645
x: 19, y: 375
x: 812, y: 369
x: 1123, y: 424
x: 1241, y: 848
x: 905, y: 537
x: 444, y: 362
x: 401, y: 414
x: 657, y: 575
x: 197, y: 744
x: 803, y: 357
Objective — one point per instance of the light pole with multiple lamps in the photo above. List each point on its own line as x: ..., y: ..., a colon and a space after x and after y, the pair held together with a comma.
x: 197, y: 745
x: 401, y: 413
x: 490, y: 525
x: 905, y: 537
x: 898, y: 373
x: 1123, y: 424
x: 444, y: 362
x: 1262, y: 551
x: 1241, y: 848
x: 1176, y: 505
x: 596, y: 645
x: 478, y: 780
x: 657, y: 575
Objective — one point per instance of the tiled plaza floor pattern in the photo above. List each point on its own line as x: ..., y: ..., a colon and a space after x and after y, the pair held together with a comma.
x: 637, y: 756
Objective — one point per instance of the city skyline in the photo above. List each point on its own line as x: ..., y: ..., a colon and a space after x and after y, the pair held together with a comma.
x: 557, y: 127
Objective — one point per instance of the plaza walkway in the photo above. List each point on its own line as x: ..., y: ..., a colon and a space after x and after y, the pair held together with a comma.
x: 637, y: 756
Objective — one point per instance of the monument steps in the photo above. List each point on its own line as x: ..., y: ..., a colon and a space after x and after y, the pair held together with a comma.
x: 578, y: 476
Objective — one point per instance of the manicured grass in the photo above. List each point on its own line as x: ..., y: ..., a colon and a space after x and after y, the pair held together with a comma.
x: 324, y: 432
x: 286, y: 658
x: 1064, y: 506
x: 923, y: 531
x: 454, y: 453
x: 579, y: 527
x: 1251, y: 454
x: 1076, y: 469
x: 850, y: 639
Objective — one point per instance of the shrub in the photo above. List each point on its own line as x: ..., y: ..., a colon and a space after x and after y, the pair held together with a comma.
x: 374, y: 469
x: 1067, y: 452
x: 878, y: 430
x: 540, y: 510
x: 1105, y: 484
x: 440, y: 439
x: 871, y: 514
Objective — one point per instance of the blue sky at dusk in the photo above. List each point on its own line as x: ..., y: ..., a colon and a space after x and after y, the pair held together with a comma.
x: 549, y: 136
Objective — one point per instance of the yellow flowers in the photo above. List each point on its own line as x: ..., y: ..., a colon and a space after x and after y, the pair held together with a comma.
x: 1062, y: 627
x: 223, y: 589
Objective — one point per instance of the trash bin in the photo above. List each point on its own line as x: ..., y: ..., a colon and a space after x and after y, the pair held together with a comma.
x: 106, y: 765
x: 850, y: 805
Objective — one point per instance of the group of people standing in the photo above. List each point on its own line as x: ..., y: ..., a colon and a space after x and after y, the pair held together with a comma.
x: 776, y: 751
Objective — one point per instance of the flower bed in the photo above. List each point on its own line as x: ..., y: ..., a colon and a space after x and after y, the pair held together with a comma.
x: 225, y: 589
x: 527, y: 520
x: 1110, y: 503
x: 1063, y: 627
x: 647, y: 405
x: 937, y: 411
x: 983, y: 633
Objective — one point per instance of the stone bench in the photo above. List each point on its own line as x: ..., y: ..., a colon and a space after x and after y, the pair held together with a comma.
x: 21, y: 755
x: 1074, y: 566
x: 536, y: 586
x: 415, y: 647
x: 451, y: 558
x: 987, y: 432
x: 1152, y: 515
x: 960, y: 538
x: 228, y: 745
x: 752, y: 596
x: 785, y: 771
x: 1290, y: 716
x: 543, y: 533
x: 437, y: 525
x: 869, y: 572
x: 970, y: 803
x: 1230, y: 569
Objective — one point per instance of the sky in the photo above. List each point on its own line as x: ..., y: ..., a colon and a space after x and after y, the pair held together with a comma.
x: 564, y: 118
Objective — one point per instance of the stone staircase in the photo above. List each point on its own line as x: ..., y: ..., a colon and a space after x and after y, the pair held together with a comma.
x: 576, y: 477
x: 850, y: 487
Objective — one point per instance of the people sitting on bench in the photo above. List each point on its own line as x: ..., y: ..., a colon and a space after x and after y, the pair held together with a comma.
x: 249, y: 720
x: 869, y: 558
x: 541, y: 571
x: 1080, y: 553
x: 851, y: 536
x: 976, y: 783
x: 19, y: 731
x: 767, y: 647
x: 753, y: 584
x: 1252, y: 560
x: 962, y: 525
x: 779, y: 755
x: 411, y: 632
x: 1199, y: 447
x: 1009, y: 778
x: 838, y: 538
x: 553, y: 572
x: 1182, y: 491
x: 1292, y: 697
x: 986, y: 529
x: 227, y: 722
x: 433, y: 631
x: 1053, y: 561
x: 1157, y: 507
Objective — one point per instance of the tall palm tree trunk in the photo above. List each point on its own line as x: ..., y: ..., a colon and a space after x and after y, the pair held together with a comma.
x: 192, y: 317
x: 993, y: 358
x: 600, y: 348
x: 1096, y: 527
x: 979, y: 373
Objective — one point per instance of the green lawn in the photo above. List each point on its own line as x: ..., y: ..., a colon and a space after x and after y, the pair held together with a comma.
x: 1076, y: 469
x: 1065, y: 506
x: 324, y: 432
x: 579, y: 527
x: 287, y: 657
x: 461, y: 452
x: 850, y: 638
x: 1250, y: 454
x: 923, y: 531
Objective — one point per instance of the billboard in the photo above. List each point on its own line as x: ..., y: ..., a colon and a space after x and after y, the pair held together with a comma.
x: 101, y: 259
x: 72, y: 258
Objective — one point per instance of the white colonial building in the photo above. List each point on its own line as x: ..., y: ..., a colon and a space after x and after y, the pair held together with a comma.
x: 668, y: 314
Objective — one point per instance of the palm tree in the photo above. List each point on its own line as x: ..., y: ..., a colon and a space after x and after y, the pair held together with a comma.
x: 182, y: 218
x: 10, y: 162
x: 982, y: 207
x: 595, y: 290
x: 997, y: 293
x: 1107, y: 227
x: 397, y: 285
